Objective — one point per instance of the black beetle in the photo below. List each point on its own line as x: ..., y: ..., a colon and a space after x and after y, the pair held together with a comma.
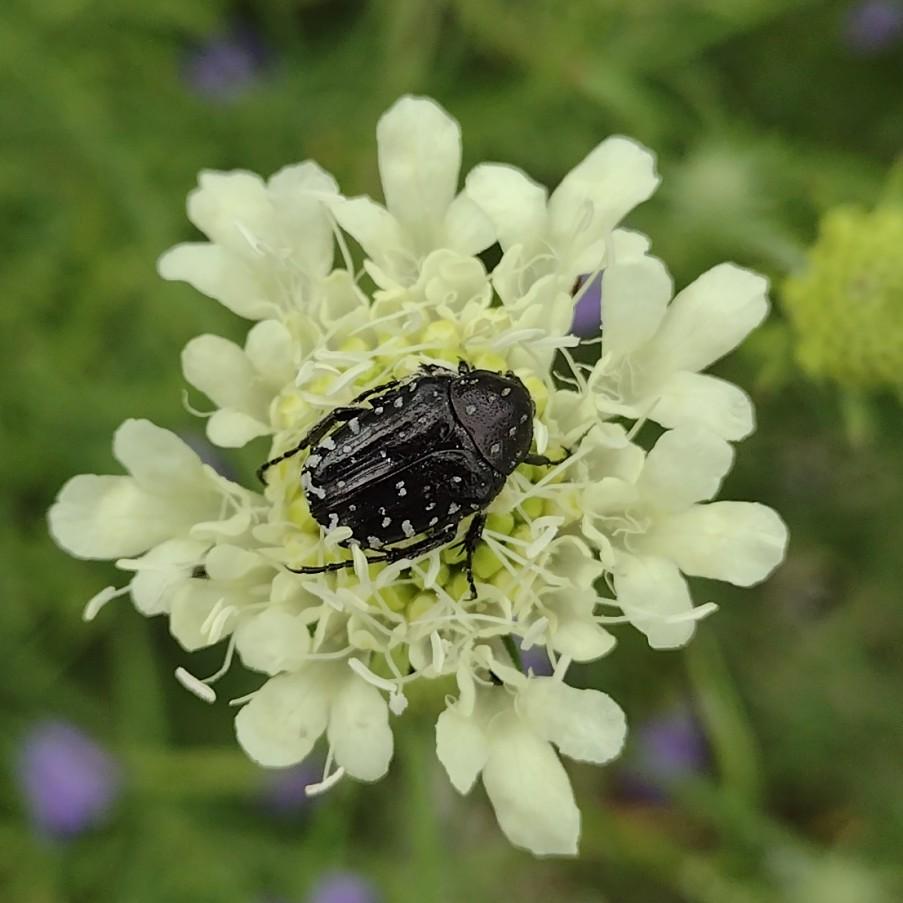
x: 424, y: 453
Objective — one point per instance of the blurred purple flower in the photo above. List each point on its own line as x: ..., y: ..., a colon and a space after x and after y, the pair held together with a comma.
x: 283, y: 794
x: 588, y: 310
x: 342, y: 887
x: 536, y: 658
x: 225, y: 64
x: 664, y: 751
x: 873, y: 25
x: 69, y: 782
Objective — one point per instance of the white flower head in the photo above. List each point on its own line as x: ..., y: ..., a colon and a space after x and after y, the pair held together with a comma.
x: 589, y: 529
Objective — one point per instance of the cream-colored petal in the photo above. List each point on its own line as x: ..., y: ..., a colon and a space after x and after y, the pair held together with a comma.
x: 273, y: 640
x: 711, y: 317
x: 222, y: 371
x: 159, y: 460
x: 614, y: 177
x: 514, y: 203
x: 219, y: 274
x: 271, y: 350
x: 359, y: 730
x: 685, y: 466
x: 161, y: 571
x: 297, y: 193
x: 574, y: 632
x: 419, y: 148
x: 371, y: 226
x: 635, y: 296
x: 584, y: 724
x: 655, y: 599
x: 698, y: 400
x: 191, y: 604
x: 462, y: 748
x: 234, y: 429
x: 530, y: 791
x: 233, y: 209
x: 106, y: 517
x: 741, y: 542
x: 467, y: 228
x: 280, y: 725
x: 625, y: 245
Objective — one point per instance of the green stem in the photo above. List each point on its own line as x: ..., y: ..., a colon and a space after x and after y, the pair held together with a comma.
x: 425, y: 841
x: 513, y: 651
x: 725, y: 718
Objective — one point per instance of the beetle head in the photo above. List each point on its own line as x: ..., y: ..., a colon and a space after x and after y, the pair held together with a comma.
x: 497, y: 411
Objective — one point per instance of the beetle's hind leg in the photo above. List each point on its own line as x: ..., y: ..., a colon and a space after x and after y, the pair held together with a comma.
x: 471, y: 541
x: 414, y: 550
x: 337, y: 415
x: 544, y: 461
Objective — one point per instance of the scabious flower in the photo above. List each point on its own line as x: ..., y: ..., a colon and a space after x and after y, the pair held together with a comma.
x: 226, y: 63
x: 69, y: 782
x: 872, y: 26
x: 600, y: 538
x: 666, y: 749
x: 845, y: 304
x: 342, y: 887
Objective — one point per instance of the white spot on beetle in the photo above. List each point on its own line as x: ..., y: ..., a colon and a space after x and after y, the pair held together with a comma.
x: 430, y: 506
x: 506, y: 391
x: 340, y: 484
x: 313, y: 460
x: 386, y: 521
x: 407, y: 528
x: 355, y: 425
x: 374, y: 542
x: 346, y: 449
x: 382, y: 453
x: 398, y: 402
x: 382, y: 510
x: 495, y: 449
x: 470, y: 409
x: 433, y: 521
x: 453, y: 508
x: 473, y: 507
x: 456, y: 479
x: 402, y: 493
x: 523, y: 418
x: 327, y: 443
x: 399, y: 484
x: 333, y: 521
x: 352, y: 507
x: 379, y: 409
x: 512, y: 431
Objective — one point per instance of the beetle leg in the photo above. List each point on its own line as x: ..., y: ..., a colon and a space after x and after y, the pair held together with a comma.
x: 421, y: 547
x: 471, y: 540
x: 368, y: 392
x: 543, y: 461
x: 337, y: 415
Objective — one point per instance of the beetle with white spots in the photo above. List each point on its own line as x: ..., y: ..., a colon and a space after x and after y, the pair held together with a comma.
x: 442, y: 441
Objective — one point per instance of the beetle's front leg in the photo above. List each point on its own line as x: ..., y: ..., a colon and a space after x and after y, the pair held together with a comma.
x: 337, y: 415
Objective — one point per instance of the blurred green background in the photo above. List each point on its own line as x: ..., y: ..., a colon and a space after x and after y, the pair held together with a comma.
x: 764, y: 762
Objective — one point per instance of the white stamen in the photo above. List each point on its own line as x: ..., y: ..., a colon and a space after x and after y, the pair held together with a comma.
x: 326, y: 784
x: 98, y: 601
x: 381, y: 683
x: 193, y: 685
